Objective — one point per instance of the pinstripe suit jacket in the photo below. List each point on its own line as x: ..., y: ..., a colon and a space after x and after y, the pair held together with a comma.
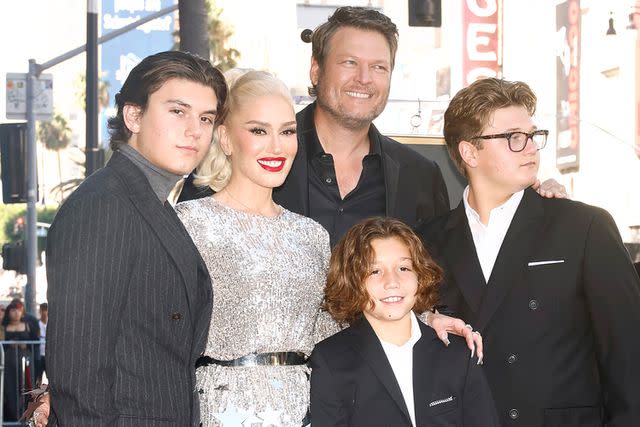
x: 129, y: 302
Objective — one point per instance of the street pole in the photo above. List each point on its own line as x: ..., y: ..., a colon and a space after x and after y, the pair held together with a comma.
x: 31, y: 241
x: 91, y: 97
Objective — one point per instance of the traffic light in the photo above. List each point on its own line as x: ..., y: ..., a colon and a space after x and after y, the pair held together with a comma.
x: 13, y: 147
x: 425, y: 13
x: 14, y: 257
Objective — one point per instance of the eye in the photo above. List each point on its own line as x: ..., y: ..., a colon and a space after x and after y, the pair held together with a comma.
x: 177, y: 111
x: 349, y: 62
x: 405, y: 268
x: 379, y: 67
x: 258, y: 131
x: 374, y: 272
x: 289, y: 132
x: 207, y: 119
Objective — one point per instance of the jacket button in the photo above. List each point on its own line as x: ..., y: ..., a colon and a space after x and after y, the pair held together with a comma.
x: 176, y: 316
x: 533, y: 304
x: 513, y: 414
x: 512, y: 358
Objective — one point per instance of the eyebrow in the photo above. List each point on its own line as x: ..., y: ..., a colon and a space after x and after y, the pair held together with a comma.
x: 265, y: 124
x: 533, y: 129
x: 186, y: 105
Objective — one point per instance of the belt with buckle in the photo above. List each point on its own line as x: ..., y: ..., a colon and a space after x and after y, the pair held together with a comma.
x: 284, y: 358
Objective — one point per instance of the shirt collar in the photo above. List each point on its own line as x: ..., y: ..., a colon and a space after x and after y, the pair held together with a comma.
x: 416, y: 334
x: 507, y: 209
x: 314, y: 148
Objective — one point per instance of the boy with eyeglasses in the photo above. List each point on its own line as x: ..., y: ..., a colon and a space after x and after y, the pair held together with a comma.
x: 548, y: 282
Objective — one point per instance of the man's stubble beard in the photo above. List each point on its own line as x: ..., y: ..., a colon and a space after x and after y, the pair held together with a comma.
x: 340, y: 115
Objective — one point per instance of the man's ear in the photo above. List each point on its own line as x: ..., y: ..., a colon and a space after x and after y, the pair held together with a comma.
x: 468, y: 153
x: 314, y: 71
x: 132, y: 114
x: 223, y: 138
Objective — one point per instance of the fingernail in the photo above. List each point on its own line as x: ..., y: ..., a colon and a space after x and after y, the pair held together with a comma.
x: 473, y: 351
x: 480, y: 359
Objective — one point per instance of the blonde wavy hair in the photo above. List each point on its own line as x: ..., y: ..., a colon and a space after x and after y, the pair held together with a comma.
x: 244, y: 87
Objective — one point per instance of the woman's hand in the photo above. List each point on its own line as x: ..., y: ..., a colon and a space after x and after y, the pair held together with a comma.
x: 443, y: 325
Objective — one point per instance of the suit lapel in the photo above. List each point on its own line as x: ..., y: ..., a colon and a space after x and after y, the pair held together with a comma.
x: 368, y: 345
x: 460, y: 253
x: 511, y: 263
x: 423, y: 358
x: 391, y: 170
x: 164, y: 223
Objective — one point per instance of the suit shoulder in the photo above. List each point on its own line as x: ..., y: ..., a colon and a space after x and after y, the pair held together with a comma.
x: 336, y: 343
x: 434, y: 226
x: 574, y: 209
x: 406, y: 154
x: 457, y: 347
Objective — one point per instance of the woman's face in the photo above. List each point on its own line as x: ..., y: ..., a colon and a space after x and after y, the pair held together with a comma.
x: 260, y: 138
x: 15, y: 315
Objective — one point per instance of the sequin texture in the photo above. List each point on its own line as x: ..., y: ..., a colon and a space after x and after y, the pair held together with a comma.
x: 268, y: 277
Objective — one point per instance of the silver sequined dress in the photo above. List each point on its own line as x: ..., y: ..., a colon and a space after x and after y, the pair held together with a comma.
x: 268, y: 278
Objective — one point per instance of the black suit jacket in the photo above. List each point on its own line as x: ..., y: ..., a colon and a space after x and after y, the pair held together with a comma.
x: 414, y: 188
x: 559, y: 314
x: 353, y: 384
x: 129, y: 305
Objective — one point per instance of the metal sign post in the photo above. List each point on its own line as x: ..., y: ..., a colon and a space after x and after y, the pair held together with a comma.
x: 35, y: 71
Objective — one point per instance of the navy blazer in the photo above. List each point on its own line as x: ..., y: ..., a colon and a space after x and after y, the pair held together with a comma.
x: 353, y: 384
x: 129, y: 306
x: 559, y: 315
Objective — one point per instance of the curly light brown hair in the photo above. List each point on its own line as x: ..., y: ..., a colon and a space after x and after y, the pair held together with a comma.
x: 346, y: 295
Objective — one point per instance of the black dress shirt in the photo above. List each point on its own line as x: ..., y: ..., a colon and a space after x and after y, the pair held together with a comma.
x: 326, y: 205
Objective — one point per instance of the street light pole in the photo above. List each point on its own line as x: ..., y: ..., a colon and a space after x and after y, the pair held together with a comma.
x: 35, y: 69
x: 91, y: 92
x: 31, y: 242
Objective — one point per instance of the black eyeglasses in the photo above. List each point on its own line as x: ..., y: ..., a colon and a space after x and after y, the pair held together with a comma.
x: 517, y: 141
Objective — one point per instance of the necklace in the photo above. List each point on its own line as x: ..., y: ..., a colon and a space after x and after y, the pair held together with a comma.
x: 247, y: 208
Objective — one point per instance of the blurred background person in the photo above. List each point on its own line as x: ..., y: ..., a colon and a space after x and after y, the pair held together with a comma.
x: 18, y: 357
x: 40, y: 362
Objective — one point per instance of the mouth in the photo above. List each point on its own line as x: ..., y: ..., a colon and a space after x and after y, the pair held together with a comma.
x: 391, y: 300
x: 359, y: 95
x: 528, y: 164
x: 272, y: 164
x: 188, y: 148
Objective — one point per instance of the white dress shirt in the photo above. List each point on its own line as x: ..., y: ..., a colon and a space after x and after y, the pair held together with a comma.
x: 488, y: 238
x: 401, y: 360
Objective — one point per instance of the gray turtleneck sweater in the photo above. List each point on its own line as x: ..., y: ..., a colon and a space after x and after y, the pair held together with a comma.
x: 161, y: 181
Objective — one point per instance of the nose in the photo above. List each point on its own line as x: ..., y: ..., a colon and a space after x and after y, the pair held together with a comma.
x: 194, y: 127
x: 391, y: 280
x: 275, y: 144
x: 530, y: 147
x: 364, y: 74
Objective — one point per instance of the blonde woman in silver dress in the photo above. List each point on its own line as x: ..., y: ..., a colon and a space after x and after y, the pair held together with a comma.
x: 267, y: 265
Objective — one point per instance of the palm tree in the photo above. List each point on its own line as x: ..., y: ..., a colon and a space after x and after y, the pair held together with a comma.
x: 55, y: 135
x: 218, y: 33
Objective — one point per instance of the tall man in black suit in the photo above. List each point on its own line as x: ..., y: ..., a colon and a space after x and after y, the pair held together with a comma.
x: 345, y: 169
x: 547, y: 282
x: 130, y: 298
